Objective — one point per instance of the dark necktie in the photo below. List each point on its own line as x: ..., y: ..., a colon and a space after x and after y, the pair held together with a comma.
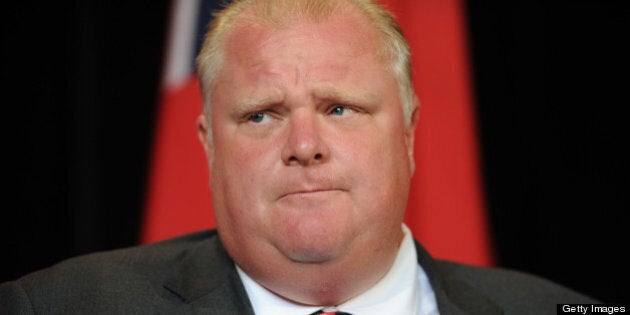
x: 323, y: 312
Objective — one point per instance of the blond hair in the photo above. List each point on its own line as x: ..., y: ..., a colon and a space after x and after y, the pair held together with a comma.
x: 281, y: 14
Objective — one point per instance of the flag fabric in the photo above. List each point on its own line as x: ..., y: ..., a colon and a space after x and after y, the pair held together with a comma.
x: 178, y: 196
x: 446, y: 210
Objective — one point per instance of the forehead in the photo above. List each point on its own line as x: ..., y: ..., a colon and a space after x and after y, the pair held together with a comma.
x: 336, y: 56
x: 347, y: 32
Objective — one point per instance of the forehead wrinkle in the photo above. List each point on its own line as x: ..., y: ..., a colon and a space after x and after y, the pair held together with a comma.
x: 346, y: 96
x: 257, y: 102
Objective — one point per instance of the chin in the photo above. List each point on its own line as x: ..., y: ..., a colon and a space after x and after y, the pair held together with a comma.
x: 315, y: 254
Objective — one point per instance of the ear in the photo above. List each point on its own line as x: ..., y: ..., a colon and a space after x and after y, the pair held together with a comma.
x: 202, y: 133
x: 410, y: 133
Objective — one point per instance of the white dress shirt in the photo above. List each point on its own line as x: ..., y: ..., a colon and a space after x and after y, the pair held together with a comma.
x: 404, y: 290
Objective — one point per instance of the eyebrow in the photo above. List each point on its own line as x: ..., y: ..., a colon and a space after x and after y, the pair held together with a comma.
x: 332, y: 94
x: 257, y: 103
x: 326, y: 94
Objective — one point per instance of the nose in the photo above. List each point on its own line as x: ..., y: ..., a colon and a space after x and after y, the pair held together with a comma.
x: 304, y: 144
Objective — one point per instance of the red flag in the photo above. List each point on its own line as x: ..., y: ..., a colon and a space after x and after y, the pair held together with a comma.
x: 178, y: 193
x: 446, y: 209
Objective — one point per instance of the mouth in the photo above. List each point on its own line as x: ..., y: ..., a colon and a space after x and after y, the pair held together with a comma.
x: 308, y: 192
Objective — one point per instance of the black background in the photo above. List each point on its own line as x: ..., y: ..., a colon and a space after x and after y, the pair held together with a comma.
x: 79, y: 89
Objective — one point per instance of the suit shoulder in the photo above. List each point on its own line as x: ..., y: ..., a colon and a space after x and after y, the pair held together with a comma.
x: 509, y: 287
x: 101, y: 277
x: 142, y: 258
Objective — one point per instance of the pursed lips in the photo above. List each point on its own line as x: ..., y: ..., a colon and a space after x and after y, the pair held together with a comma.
x: 308, y: 192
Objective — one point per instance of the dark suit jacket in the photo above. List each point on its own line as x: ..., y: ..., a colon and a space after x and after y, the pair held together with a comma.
x: 194, y: 274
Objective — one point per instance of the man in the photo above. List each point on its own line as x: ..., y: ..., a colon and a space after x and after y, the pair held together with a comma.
x: 308, y: 125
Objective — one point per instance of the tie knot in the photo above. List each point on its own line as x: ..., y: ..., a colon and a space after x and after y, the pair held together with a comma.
x: 330, y: 311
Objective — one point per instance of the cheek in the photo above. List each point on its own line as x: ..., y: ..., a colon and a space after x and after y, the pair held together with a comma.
x: 379, y: 166
x: 379, y: 155
x: 241, y: 157
x: 239, y: 175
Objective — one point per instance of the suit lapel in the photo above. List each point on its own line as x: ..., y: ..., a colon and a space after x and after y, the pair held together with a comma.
x: 453, y: 294
x: 205, y: 279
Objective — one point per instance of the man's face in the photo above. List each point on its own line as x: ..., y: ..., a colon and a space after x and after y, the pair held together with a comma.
x: 310, y: 156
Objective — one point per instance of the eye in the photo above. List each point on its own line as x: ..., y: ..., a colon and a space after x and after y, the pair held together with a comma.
x: 258, y: 117
x: 338, y: 110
